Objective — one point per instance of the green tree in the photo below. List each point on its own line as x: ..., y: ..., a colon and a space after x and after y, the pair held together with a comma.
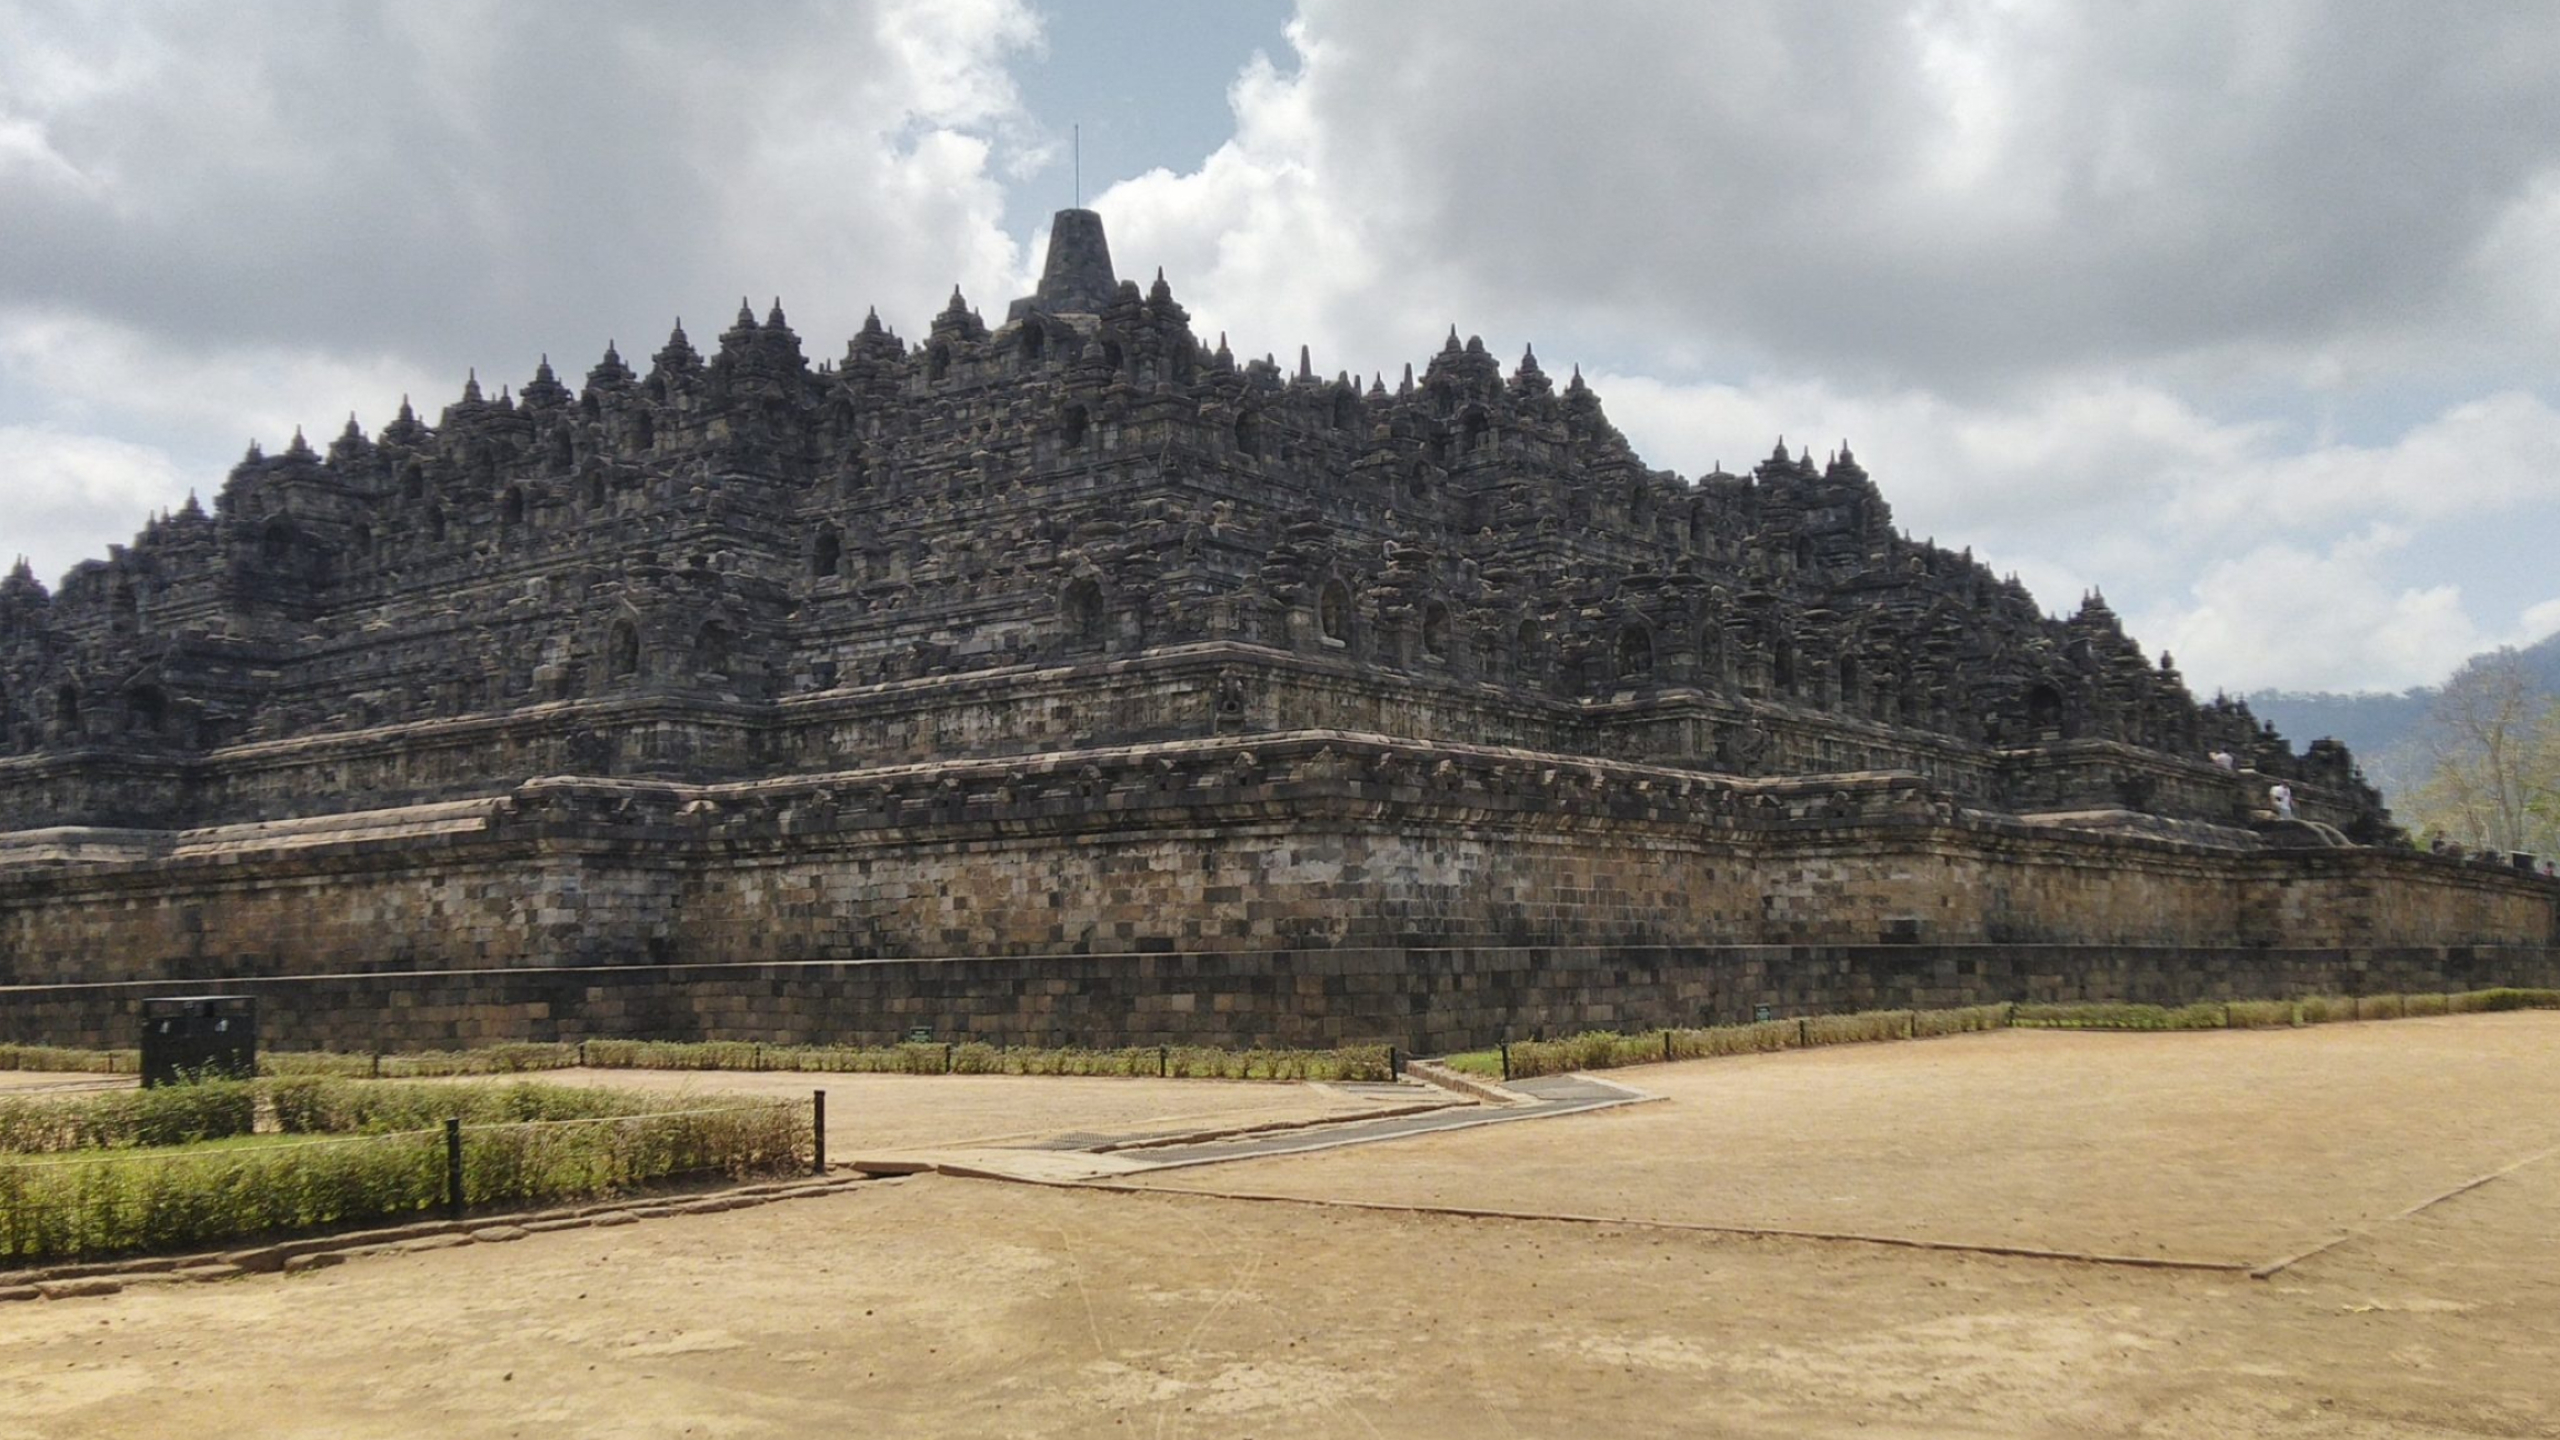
x: 2491, y: 744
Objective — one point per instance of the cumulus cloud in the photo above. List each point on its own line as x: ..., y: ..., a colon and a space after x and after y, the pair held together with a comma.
x: 1958, y: 195
x: 65, y: 490
x: 484, y: 181
x: 2329, y: 619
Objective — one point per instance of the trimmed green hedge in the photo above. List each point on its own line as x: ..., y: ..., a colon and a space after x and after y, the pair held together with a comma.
x: 1605, y: 1049
x: 522, y: 1144
x: 63, y: 1057
x: 170, y: 1115
x: 313, y: 1105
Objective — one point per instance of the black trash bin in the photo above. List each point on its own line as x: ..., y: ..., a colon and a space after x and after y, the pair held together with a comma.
x: 198, y: 1037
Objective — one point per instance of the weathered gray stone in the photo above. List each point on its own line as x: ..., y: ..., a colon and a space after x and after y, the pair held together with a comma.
x: 1071, y: 656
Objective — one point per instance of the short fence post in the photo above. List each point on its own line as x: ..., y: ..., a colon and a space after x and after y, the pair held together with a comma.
x: 1506, y: 1058
x: 582, y: 1054
x: 377, y: 1064
x: 1804, y: 1033
x: 1666, y: 1044
x: 1164, y: 1061
x: 818, y: 1128
x: 1911, y: 1031
x: 755, y: 1056
x: 946, y: 1057
x: 2226, y: 1014
x: 1395, y: 1066
x: 453, y: 1166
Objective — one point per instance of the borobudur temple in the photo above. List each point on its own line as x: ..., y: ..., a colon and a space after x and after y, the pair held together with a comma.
x: 1070, y: 679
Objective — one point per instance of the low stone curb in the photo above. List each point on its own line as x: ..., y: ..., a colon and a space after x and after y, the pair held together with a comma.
x: 1270, y: 1127
x: 318, y: 1252
x: 1431, y: 1072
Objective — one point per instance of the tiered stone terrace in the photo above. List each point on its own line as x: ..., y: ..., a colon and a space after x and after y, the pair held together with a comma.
x: 1074, y: 636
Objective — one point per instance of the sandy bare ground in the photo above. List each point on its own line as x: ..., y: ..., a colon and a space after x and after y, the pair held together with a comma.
x: 58, y: 1082
x: 2222, y: 1145
x: 935, y: 1306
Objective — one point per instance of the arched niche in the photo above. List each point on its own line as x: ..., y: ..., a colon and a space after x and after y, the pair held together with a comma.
x: 2044, y: 710
x: 715, y: 648
x: 1333, y: 613
x: 1080, y: 610
x: 1635, y: 653
x: 146, y: 710
x: 1435, y: 631
x: 622, y: 651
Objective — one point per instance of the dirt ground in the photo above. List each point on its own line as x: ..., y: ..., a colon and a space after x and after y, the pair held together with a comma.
x: 53, y: 1082
x: 2221, y: 1145
x: 938, y: 1306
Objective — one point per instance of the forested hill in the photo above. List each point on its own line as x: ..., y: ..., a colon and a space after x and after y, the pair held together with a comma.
x: 2381, y: 728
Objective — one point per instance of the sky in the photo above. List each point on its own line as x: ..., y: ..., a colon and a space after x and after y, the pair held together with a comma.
x: 2248, y: 316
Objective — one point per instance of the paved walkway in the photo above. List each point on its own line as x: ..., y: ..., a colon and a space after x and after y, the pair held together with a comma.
x: 1066, y: 1159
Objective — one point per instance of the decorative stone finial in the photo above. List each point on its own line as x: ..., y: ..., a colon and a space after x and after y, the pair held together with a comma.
x: 1076, y: 278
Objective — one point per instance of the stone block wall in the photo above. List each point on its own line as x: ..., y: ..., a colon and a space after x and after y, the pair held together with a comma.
x: 1249, y: 845
x: 1425, y: 1000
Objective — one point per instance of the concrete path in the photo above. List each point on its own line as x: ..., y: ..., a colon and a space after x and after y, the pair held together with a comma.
x: 1068, y: 1159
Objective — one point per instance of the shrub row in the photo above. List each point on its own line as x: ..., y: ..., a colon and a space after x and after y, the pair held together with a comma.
x: 1605, y: 1049
x: 487, y: 1060
x: 171, y: 1115
x: 2260, y: 1014
x: 302, y: 1105
x: 64, y: 1058
x: 128, y: 1201
x: 315, y: 1105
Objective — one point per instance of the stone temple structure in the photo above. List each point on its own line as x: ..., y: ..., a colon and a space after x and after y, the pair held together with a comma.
x: 1070, y: 678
